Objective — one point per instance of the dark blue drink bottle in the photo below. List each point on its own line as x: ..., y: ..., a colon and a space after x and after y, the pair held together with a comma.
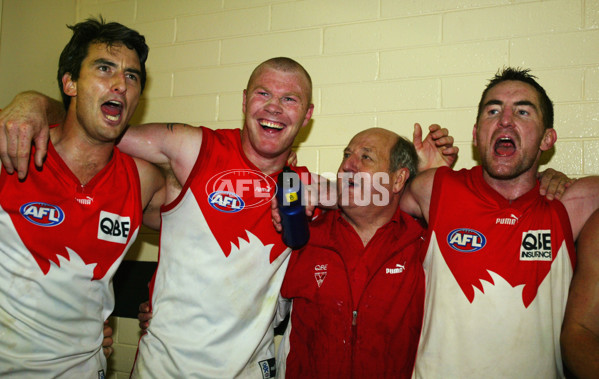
x: 296, y: 232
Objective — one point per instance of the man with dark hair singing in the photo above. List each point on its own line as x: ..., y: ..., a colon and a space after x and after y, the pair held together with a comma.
x: 66, y: 228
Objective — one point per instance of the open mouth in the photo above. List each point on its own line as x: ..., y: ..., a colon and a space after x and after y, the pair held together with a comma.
x: 349, y: 180
x: 505, y: 147
x: 112, y: 110
x: 346, y: 179
x: 271, y: 125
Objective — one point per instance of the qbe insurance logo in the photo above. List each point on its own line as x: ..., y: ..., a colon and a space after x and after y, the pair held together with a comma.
x: 233, y: 190
x: 113, y: 227
x: 536, y: 246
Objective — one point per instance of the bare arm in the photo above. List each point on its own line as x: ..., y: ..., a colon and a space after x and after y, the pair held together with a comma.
x: 173, y: 147
x: 416, y: 198
x: 580, y: 331
x: 581, y: 199
x: 153, y: 190
x: 436, y: 150
x: 26, y: 118
x: 23, y: 121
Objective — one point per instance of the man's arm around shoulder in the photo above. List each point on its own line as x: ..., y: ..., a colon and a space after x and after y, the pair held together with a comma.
x: 416, y: 198
x: 173, y: 147
x: 580, y: 330
x: 153, y: 192
x: 581, y: 199
x: 23, y: 121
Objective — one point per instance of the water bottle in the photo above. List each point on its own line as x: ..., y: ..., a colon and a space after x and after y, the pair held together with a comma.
x: 296, y: 232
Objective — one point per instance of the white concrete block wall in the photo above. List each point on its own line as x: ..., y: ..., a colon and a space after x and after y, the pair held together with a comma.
x: 387, y: 63
x: 373, y: 63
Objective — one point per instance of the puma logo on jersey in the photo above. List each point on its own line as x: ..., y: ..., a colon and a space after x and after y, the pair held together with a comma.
x: 512, y: 220
x: 42, y: 214
x: 87, y: 200
x: 466, y: 240
x: 398, y: 269
x: 536, y: 246
x: 113, y: 227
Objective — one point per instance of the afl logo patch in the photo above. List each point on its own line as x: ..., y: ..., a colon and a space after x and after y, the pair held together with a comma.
x: 225, y: 201
x: 42, y: 214
x: 255, y: 188
x: 466, y: 240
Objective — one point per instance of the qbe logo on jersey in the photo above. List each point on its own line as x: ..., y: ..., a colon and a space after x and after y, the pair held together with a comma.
x: 113, y: 227
x: 536, y: 246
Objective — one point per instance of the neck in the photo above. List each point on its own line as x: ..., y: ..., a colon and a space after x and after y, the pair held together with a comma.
x: 368, y: 219
x: 267, y: 165
x: 512, y: 189
x: 84, y: 157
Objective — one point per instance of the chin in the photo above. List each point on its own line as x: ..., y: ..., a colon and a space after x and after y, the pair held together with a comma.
x: 505, y: 174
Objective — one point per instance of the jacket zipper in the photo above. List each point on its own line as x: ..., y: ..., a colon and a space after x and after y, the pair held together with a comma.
x: 354, y: 322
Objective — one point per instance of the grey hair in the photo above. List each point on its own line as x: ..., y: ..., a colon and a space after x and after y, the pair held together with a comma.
x: 403, y: 154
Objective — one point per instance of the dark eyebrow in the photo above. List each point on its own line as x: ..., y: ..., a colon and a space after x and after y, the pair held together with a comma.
x: 517, y: 103
x: 527, y: 103
x: 133, y: 71
x: 102, y: 61
x: 493, y: 102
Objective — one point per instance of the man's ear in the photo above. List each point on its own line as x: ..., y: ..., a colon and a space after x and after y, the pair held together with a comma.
x: 69, y: 87
x: 400, y: 177
x: 244, y: 100
x: 548, y: 140
x: 474, y: 134
x: 308, y: 115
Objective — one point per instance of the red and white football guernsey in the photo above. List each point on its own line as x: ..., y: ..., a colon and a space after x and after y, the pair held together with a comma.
x: 60, y: 246
x: 497, y: 279
x: 219, y: 272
